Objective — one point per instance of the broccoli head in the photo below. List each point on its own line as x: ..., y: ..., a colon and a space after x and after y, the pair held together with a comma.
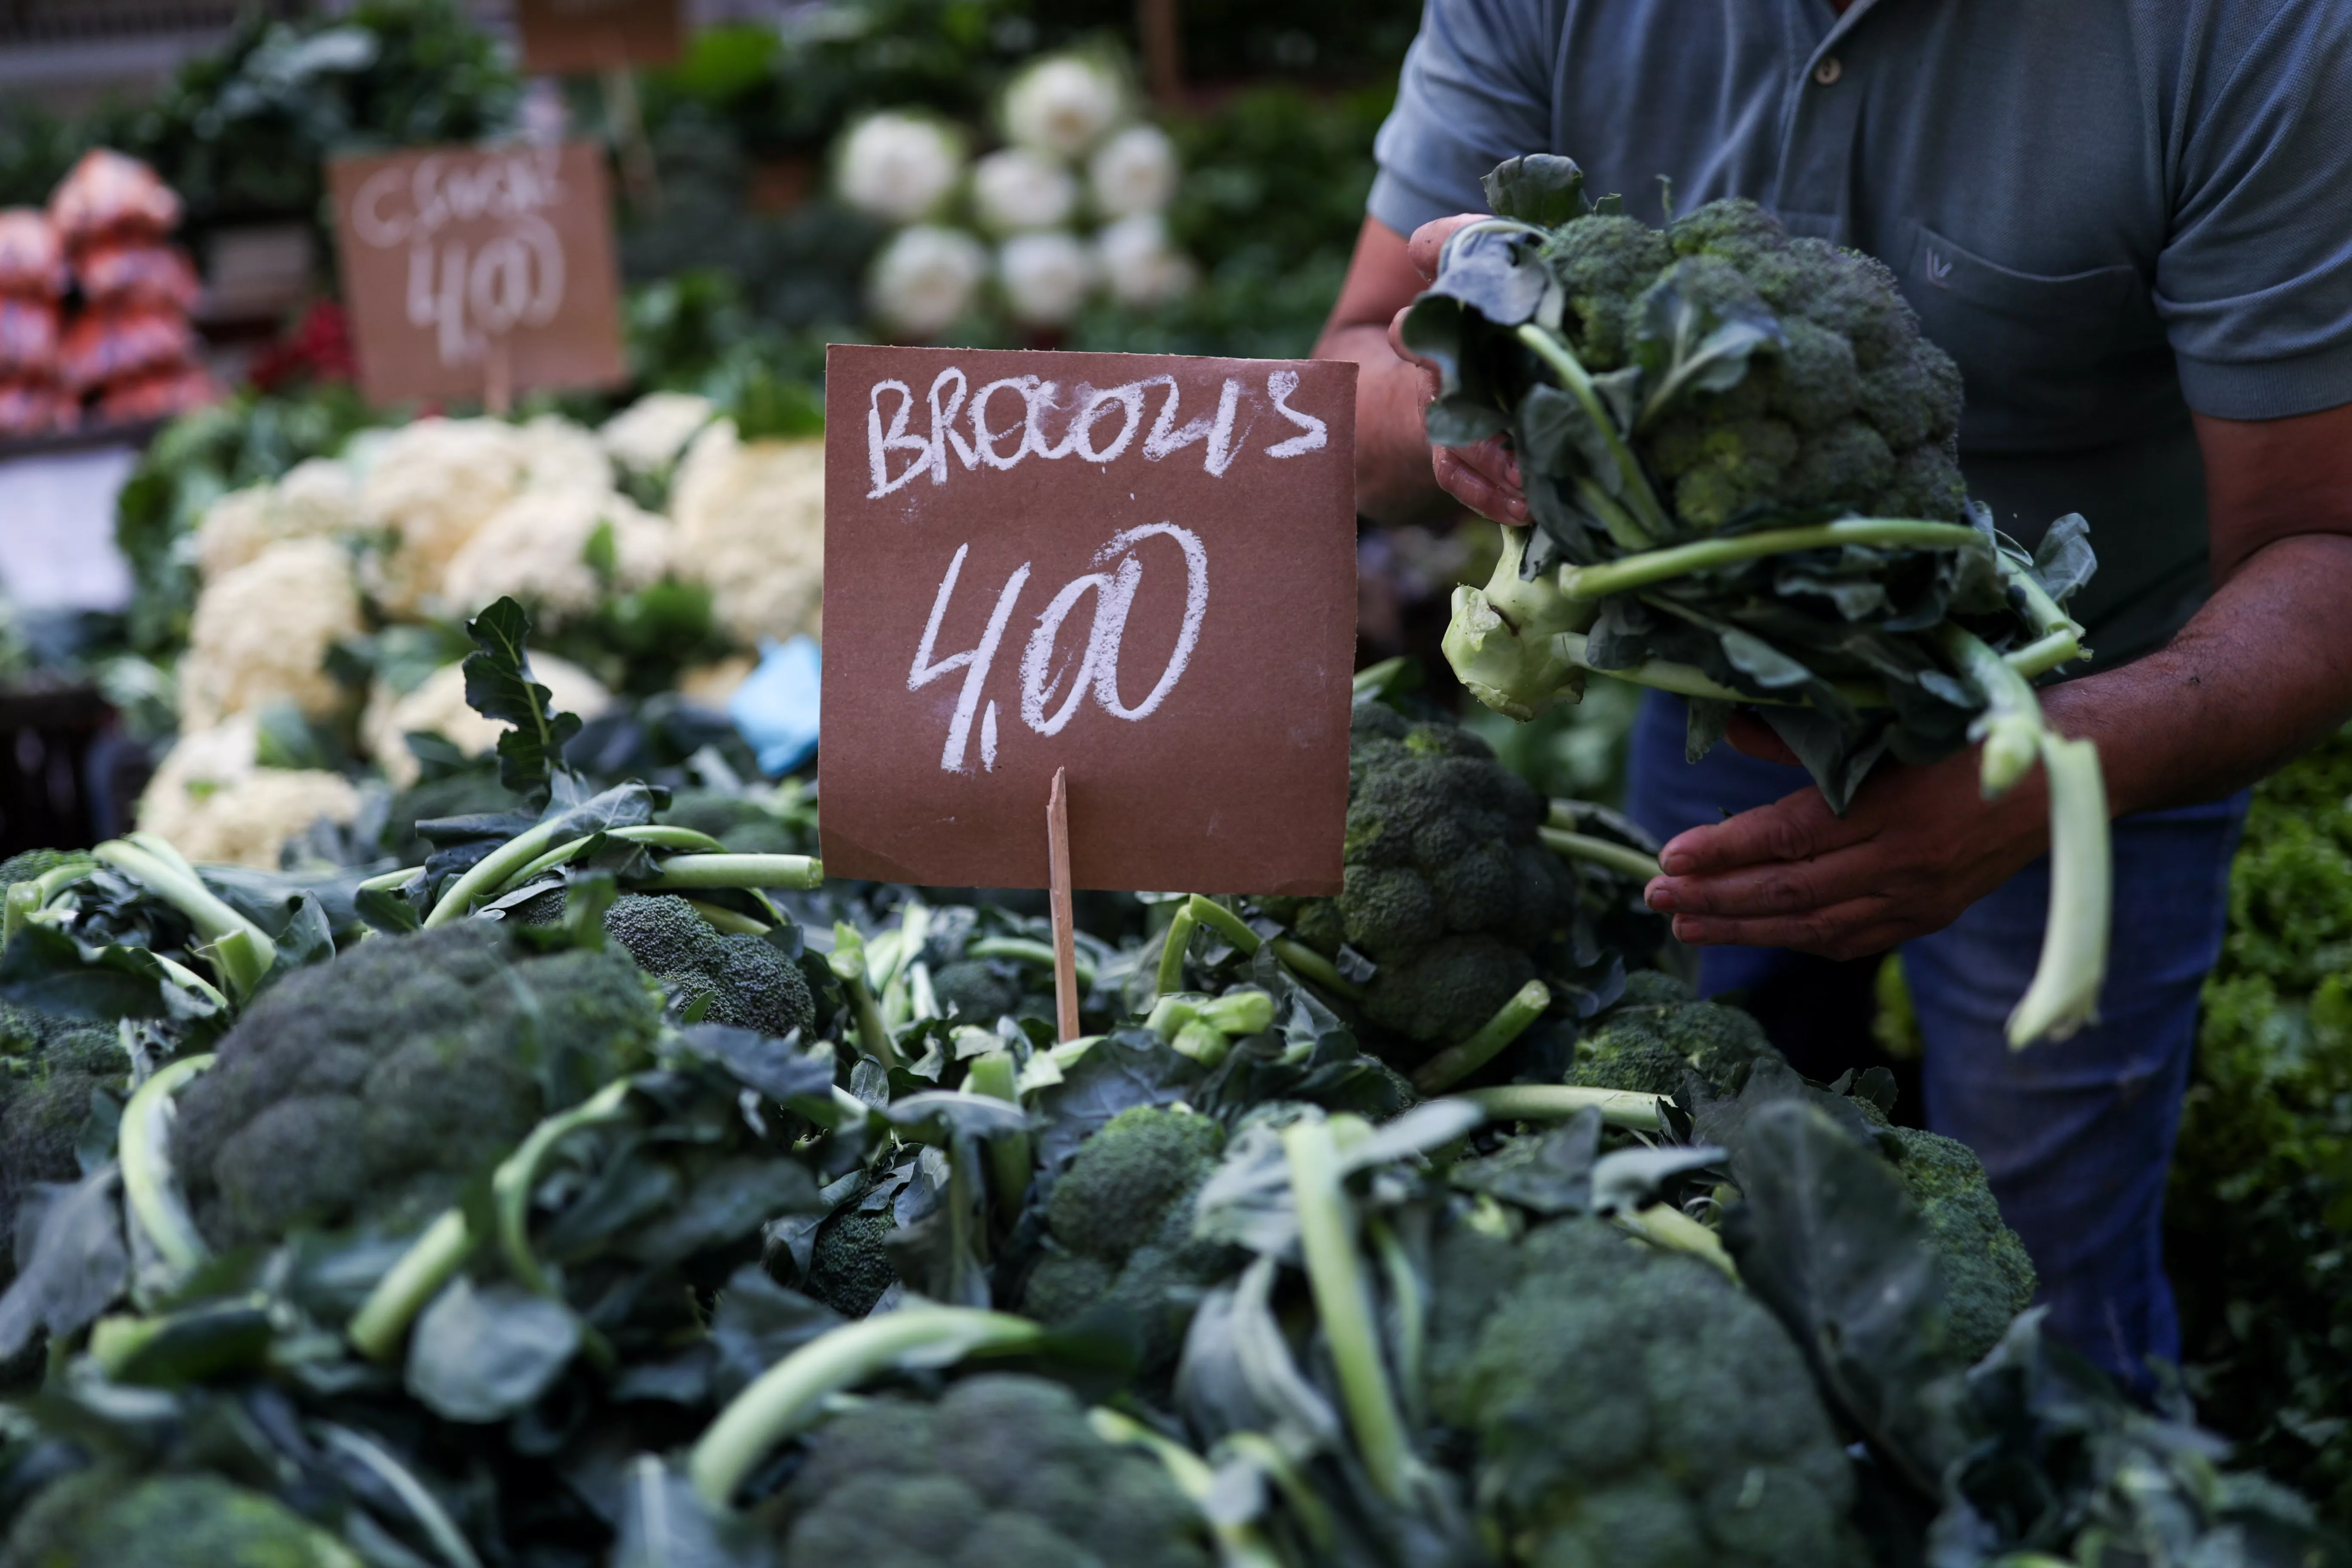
x: 977, y: 991
x: 1631, y: 1409
x: 27, y: 864
x: 99, y: 1518
x: 1004, y: 1472
x: 1657, y: 1034
x: 738, y: 979
x: 1448, y: 888
x: 1121, y: 1219
x: 372, y: 1086
x: 51, y: 1072
x: 1987, y: 1277
x: 849, y: 1264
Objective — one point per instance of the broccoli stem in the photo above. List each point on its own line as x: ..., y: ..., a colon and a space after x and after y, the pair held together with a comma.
x: 390, y: 882
x: 789, y: 1395
x: 1300, y: 959
x: 518, y: 1174
x: 188, y: 979
x: 1622, y: 858
x: 1225, y: 923
x: 414, y: 1496
x: 240, y: 952
x: 1451, y: 1065
x: 1664, y: 675
x: 23, y: 901
x: 1022, y: 950
x: 1172, y: 950
x: 58, y: 879
x: 725, y: 920
x: 143, y: 1148
x: 1239, y: 1543
x: 1343, y: 1303
x: 2063, y: 994
x: 1625, y: 1108
x: 1647, y: 520
x: 847, y: 962
x: 377, y: 1330
x: 995, y: 1075
x: 1308, y: 964
x: 1651, y: 566
x: 1663, y: 1224
x: 651, y: 834
x: 1307, y: 1505
x: 490, y: 872
x: 681, y: 872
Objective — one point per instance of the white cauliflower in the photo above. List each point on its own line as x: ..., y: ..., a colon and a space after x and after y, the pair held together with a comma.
x: 1064, y: 104
x: 1134, y: 172
x: 315, y: 499
x: 558, y: 455
x: 1046, y: 276
x: 430, y: 485
x: 898, y: 166
x: 648, y: 436
x: 924, y: 279
x: 1017, y: 189
x: 537, y: 546
x: 437, y: 707
x: 262, y: 632
x: 1140, y: 264
x: 750, y: 527
x: 216, y: 804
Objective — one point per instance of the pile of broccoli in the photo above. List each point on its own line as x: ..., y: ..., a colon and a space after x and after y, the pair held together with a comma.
x: 1987, y: 1277
x: 1003, y: 1472
x: 377, y: 1086
x: 1656, y: 1035
x: 56, y: 1074
x: 1449, y: 889
x: 1631, y: 1409
x: 1121, y: 1226
x: 714, y: 978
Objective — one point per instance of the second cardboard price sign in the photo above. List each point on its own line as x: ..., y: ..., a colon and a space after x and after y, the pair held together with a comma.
x: 1124, y: 582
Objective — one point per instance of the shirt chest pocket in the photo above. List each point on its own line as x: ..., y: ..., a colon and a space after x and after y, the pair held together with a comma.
x: 2050, y: 363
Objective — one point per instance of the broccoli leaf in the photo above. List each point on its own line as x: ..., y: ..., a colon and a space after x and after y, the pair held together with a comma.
x: 481, y: 1355
x: 499, y: 685
x: 77, y: 1267
x: 2063, y: 561
x: 1540, y: 188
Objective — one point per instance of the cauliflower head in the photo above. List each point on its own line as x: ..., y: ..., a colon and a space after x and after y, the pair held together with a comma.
x: 540, y: 547
x: 261, y: 633
x: 750, y: 528
x: 216, y: 803
x: 429, y: 487
x: 318, y: 499
x: 437, y: 707
x: 649, y: 435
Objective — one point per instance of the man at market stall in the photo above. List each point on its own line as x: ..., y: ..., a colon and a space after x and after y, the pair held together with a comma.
x: 2124, y: 220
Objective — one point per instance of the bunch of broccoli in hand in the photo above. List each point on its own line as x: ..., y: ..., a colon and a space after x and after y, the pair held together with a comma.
x: 1740, y: 460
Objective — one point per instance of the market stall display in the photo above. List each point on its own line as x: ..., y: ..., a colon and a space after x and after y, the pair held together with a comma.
x: 128, y: 349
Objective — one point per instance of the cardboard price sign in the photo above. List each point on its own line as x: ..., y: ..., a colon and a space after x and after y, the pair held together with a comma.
x: 478, y: 272
x: 1140, y: 569
x: 562, y: 37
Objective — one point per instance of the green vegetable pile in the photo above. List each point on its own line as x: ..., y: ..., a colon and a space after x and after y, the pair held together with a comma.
x: 1739, y: 457
x: 597, y: 1193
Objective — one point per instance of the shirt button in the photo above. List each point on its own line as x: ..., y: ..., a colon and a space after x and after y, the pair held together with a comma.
x: 1829, y: 70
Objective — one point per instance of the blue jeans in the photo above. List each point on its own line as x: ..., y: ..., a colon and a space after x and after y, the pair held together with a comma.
x: 2076, y: 1135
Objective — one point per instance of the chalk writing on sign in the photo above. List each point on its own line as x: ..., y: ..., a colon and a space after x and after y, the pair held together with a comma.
x: 466, y: 292
x: 1098, y: 424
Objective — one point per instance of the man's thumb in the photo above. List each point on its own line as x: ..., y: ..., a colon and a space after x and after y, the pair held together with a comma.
x: 1750, y: 734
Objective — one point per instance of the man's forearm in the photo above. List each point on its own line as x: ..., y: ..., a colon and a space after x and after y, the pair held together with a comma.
x: 1394, y: 482
x: 2264, y: 672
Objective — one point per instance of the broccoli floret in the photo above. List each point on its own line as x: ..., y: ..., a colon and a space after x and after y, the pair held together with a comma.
x: 98, y: 1517
x: 51, y: 1069
x: 28, y: 864
x: 1448, y: 888
x: 849, y: 1265
x: 1121, y: 1222
x: 1004, y: 1472
x: 1987, y: 1277
x: 1649, y: 1045
x: 375, y: 1086
x: 737, y: 980
x: 1631, y: 1408
x: 975, y: 992
x: 1601, y: 265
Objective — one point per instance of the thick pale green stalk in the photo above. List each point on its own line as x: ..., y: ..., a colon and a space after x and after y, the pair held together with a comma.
x: 652, y: 834
x: 1639, y: 501
x: 1172, y: 950
x: 995, y: 1075
x: 240, y: 951
x: 518, y: 1174
x: 1646, y: 567
x: 1451, y: 1065
x: 384, y: 1318
x: 2064, y: 992
x: 721, y: 919
x: 422, y: 1505
x: 1022, y: 950
x: 22, y: 902
x: 1625, y: 1108
x: 847, y: 962
x: 1308, y: 964
x: 490, y: 873
x: 1225, y: 923
x: 188, y: 979
x: 390, y: 882
x: 1622, y: 858
x: 788, y: 1395
x: 144, y: 1146
x: 683, y: 872
x: 1343, y: 1303
x: 1663, y: 1224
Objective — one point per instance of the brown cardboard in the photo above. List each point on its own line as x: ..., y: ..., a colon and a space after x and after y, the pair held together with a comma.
x: 568, y: 36
x: 464, y: 267
x: 1237, y: 779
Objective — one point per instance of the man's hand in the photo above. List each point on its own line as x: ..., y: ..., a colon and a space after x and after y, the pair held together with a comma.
x: 1917, y: 846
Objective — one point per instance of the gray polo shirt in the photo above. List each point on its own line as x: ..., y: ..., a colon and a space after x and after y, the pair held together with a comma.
x: 2109, y: 212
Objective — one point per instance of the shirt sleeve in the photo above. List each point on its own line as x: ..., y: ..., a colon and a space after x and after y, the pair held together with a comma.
x: 2254, y: 285
x: 1476, y: 88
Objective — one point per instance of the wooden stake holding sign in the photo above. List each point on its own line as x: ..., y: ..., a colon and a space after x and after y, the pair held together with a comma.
x: 1133, y: 575
x: 1066, y: 924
